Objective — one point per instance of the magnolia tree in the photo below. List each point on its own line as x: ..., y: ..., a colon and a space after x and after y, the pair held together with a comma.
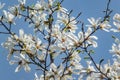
x: 56, y: 50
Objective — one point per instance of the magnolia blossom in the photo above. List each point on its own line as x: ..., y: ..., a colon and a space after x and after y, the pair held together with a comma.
x: 22, y: 62
x: 97, y: 23
x: 105, y: 26
x: 69, y: 23
x: 81, y: 37
x: 63, y: 42
x: 26, y: 40
x: 15, y: 11
x: 116, y: 47
x: 93, y: 23
x: 9, y: 44
x: 90, y: 39
x: 116, y: 23
x: 55, y: 72
x: 39, y: 20
x: 9, y: 17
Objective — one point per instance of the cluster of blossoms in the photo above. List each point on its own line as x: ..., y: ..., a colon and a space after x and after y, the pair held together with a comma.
x: 58, y: 39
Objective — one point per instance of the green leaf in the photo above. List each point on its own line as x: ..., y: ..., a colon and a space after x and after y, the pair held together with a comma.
x: 91, y: 51
x: 113, y: 37
x: 86, y: 57
x: 79, y: 51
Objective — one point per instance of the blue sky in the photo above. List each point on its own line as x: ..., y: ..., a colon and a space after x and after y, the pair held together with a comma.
x: 89, y: 8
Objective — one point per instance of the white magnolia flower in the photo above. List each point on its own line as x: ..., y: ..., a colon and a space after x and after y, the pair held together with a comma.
x: 63, y: 42
x: 56, y: 31
x: 75, y: 57
x: 9, y: 17
x: 118, y: 27
x: 15, y: 11
x: 97, y: 23
x: 27, y: 40
x: 55, y: 71
x: 115, y: 69
x: 77, y: 40
x: 116, y: 23
x: 39, y: 21
x: 2, y: 5
x: 9, y: 44
x: 68, y: 22
x: 22, y: 61
x: 93, y: 23
x: 116, y: 47
x: 90, y: 68
x: 105, y: 26
x: 90, y: 38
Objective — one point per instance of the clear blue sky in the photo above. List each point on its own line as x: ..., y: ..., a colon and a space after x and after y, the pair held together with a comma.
x: 89, y: 8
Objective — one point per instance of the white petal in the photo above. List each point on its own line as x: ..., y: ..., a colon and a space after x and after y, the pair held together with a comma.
x: 18, y: 68
x: 53, y: 66
x: 2, y: 5
x: 27, y: 68
x: 21, y: 33
x: 115, y: 30
x: 94, y: 37
x: 88, y: 31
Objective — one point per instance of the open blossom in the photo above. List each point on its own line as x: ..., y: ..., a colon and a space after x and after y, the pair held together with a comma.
x: 97, y: 23
x: 55, y: 72
x: 117, y: 26
x: 77, y: 40
x: 116, y: 23
x: 26, y: 39
x: 105, y: 26
x: 15, y: 11
x: 68, y: 22
x: 22, y: 61
x: 10, y: 43
x: 8, y: 16
x: 116, y: 47
x: 93, y: 23
x: 89, y: 38
x: 39, y: 20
